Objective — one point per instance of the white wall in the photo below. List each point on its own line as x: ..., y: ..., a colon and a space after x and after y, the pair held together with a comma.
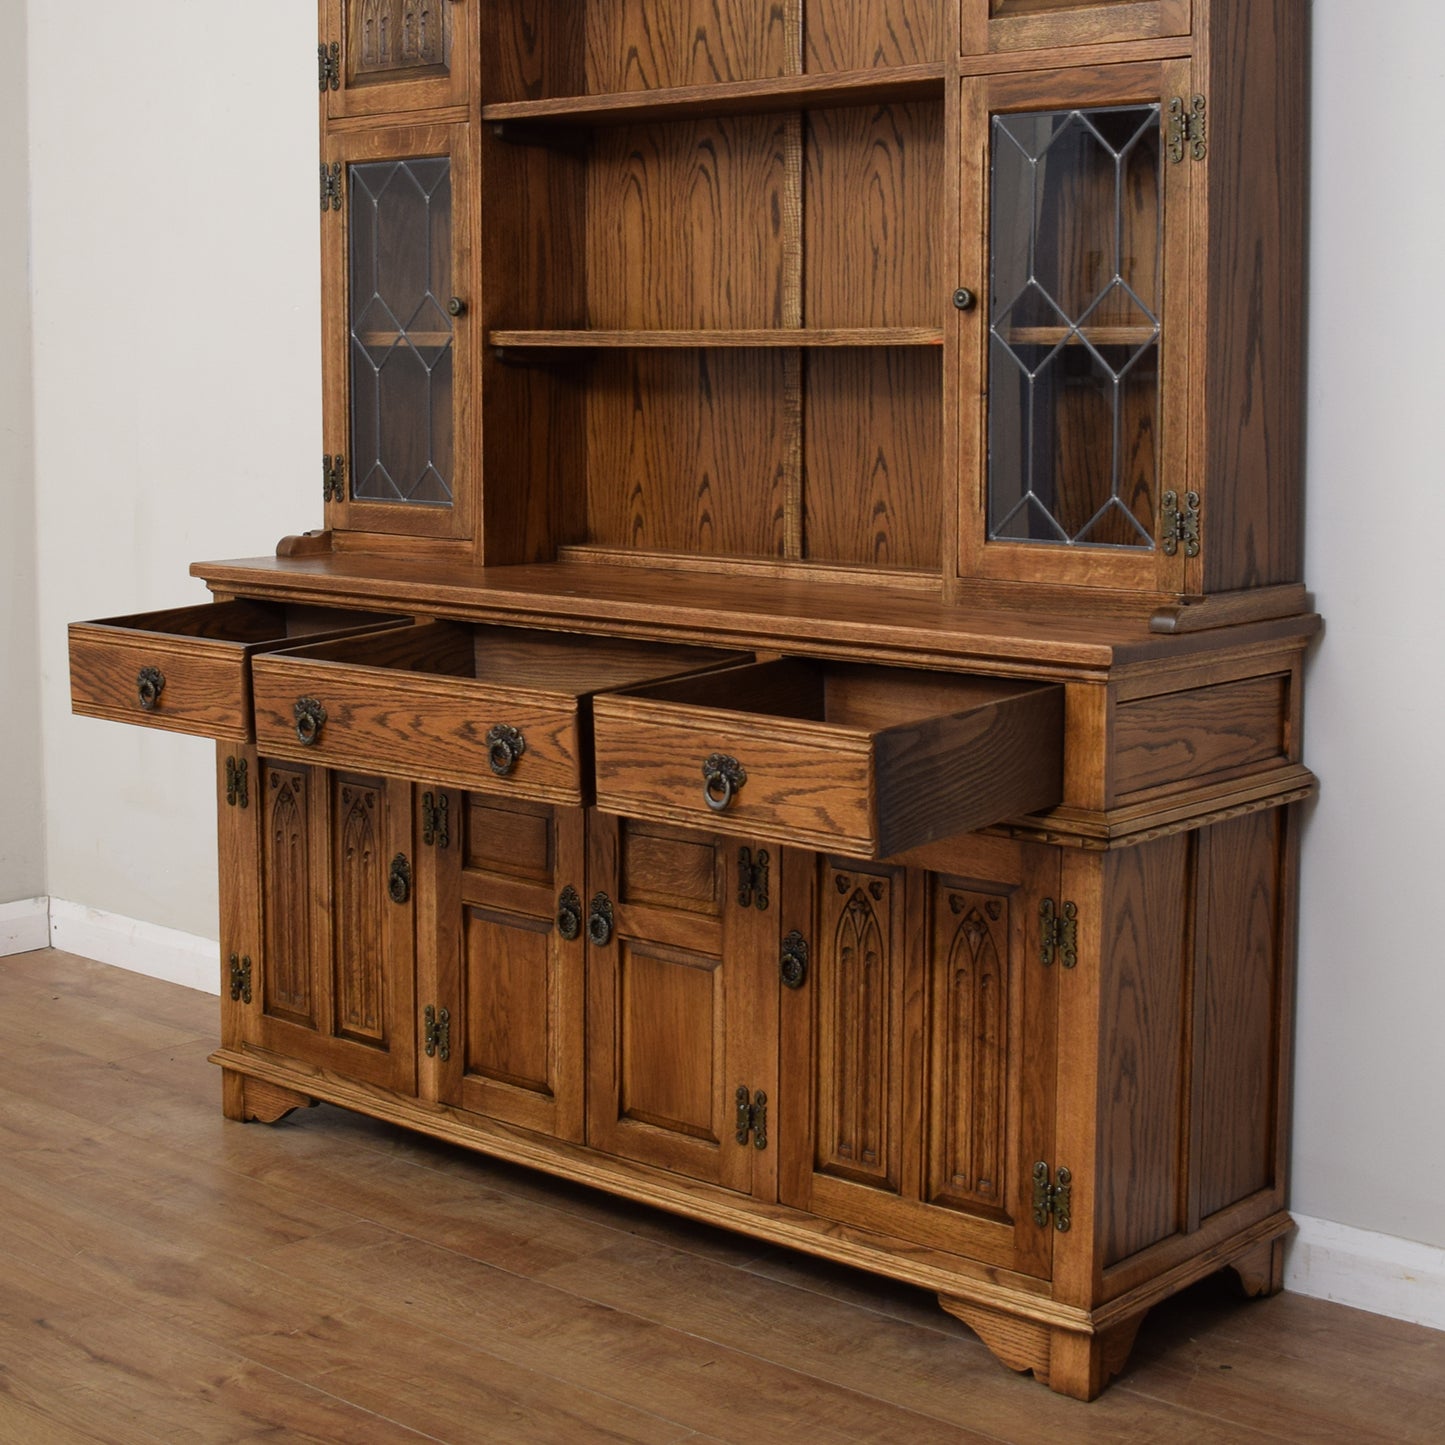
x: 177, y: 391
x: 1372, y: 976
x: 22, y: 826
x: 177, y: 410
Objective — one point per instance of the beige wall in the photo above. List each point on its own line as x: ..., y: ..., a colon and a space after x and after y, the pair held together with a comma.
x: 177, y: 406
x: 22, y: 826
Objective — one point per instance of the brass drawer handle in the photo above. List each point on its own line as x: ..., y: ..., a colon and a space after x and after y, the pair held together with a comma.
x: 599, y: 921
x: 569, y: 915
x: 722, y: 776
x: 310, y: 719
x: 398, y: 880
x: 504, y: 746
x: 150, y: 683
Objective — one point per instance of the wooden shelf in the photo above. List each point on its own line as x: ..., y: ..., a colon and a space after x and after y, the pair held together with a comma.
x: 767, y: 337
x: 426, y: 339
x: 1097, y: 335
x: 787, y: 92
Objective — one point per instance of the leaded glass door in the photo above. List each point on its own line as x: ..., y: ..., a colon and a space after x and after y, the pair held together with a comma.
x: 398, y: 331
x: 1033, y: 24
x: 1080, y: 339
x: 386, y: 56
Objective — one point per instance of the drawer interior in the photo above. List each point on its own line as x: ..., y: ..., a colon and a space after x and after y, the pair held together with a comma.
x: 248, y: 622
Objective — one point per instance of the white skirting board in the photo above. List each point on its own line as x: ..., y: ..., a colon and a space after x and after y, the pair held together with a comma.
x: 1355, y: 1267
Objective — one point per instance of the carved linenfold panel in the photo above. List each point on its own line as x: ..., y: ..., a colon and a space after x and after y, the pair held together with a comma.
x: 969, y: 1050
x: 856, y: 1015
x: 391, y: 35
x: 359, y: 893
x: 287, y: 988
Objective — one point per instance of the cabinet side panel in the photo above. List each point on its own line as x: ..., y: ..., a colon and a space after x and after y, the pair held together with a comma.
x: 1239, y: 964
x: 1141, y: 1126
x: 861, y: 34
x: 532, y: 49
x: 1258, y: 154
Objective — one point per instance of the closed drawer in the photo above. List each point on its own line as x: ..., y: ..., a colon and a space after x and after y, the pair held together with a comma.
x: 867, y: 761
x: 490, y: 709
x: 188, y: 669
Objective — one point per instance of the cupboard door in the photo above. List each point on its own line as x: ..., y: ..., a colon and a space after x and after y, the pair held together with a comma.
x: 510, y: 954
x: 919, y: 1051
x: 682, y: 1004
x: 1033, y: 24
x: 383, y: 56
x: 398, y: 352
x: 1078, y: 351
x: 334, y: 971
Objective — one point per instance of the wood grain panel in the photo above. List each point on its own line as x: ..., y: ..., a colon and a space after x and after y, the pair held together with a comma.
x: 1141, y: 1045
x: 359, y: 870
x: 692, y: 452
x: 861, y: 34
x: 533, y: 49
x: 511, y: 837
x: 288, y: 982
x: 646, y: 44
x: 688, y: 225
x: 1199, y: 733
x: 873, y: 479
x: 874, y: 241
x: 669, y: 868
x: 1237, y: 1086
x: 509, y: 1000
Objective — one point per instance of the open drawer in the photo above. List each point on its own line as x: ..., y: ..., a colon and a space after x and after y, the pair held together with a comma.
x: 491, y: 709
x: 187, y: 669
x: 867, y: 761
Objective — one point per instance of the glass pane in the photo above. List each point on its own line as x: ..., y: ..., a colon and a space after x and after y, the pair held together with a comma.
x: 398, y: 39
x: 1074, y: 323
x: 401, y: 332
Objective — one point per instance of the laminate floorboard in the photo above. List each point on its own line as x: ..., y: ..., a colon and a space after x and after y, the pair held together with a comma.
x: 167, y: 1275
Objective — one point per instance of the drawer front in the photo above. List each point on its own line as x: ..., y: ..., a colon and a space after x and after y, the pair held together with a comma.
x: 803, y: 785
x: 445, y: 730
x: 183, y: 684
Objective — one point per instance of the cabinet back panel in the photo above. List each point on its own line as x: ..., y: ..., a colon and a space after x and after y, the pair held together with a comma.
x: 644, y: 44
x: 874, y: 484
x: 690, y: 225
x: 861, y: 34
x: 532, y: 49
x: 873, y: 207
x: 692, y: 451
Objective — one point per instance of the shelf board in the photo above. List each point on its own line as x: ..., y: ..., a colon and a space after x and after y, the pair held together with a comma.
x: 762, y: 337
x: 757, y: 97
x: 416, y: 338
x: 1098, y: 335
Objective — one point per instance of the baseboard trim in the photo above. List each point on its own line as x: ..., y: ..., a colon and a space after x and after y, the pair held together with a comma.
x: 1368, y: 1271
x: 24, y: 926
x: 164, y: 953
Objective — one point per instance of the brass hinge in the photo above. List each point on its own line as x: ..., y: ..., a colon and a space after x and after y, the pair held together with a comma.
x: 437, y: 1033
x: 1179, y: 526
x: 331, y: 186
x: 328, y: 66
x: 240, y: 979
x: 752, y: 1117
x: 333, y: 478
x: 1053, y: 1199
x: 1059, y: 934
x: 435, y: 823
x: 753, y: 879
x: 238, y: 785
x: 1188, y: 129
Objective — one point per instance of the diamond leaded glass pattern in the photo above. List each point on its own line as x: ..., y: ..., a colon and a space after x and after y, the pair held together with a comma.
x: 401, y: 332
x: 1076, y: 298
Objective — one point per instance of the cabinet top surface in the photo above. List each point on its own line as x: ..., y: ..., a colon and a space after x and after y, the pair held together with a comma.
x: 760, y: 614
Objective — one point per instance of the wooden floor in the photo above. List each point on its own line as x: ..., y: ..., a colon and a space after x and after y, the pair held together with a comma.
x: 168, y: 1276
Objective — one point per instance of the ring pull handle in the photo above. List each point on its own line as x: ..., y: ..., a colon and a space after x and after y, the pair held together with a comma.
x: 310, y: 719
x: 504, y: 746
x: 398, y: 880
x: 569, y: 915
x: 150, y: 683
x: 722, y: 777
x: 599, y: 921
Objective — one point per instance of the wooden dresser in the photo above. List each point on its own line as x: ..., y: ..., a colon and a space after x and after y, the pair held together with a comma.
x: 794, y: 715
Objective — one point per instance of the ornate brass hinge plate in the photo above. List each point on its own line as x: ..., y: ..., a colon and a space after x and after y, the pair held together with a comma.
x: 328, y: 66
x: 1179, y: 525
x: 240, y: 979
x: 1053, y: 1201
x: 1188, y: 129
x: 753, y: 874
x: 1059, y: 934
x: 436, y: 828
x: 238, y: 783
x: 331, y: 186
x: 752, y: 1117
x: 437, y: 1033
x: 333, y: 478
